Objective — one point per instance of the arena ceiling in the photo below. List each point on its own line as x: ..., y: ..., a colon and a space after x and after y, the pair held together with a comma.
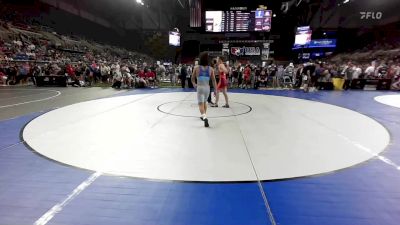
x: 167, y: 14
x: 147, y: 22
x: 129, y: 14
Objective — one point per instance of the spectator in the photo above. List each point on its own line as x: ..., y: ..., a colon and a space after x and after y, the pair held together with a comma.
x: 151, y: 78
x: 161, y: 71
x: 299, y: 76
x: 70, y: 70
x: 141, y: 79
x: 3, y: 78
x: 183, y: 75
x: 381, y: 70
x: 370, y: 71
x: 172, y: 75
x: 309, y: 70
x: 348, y: 75
x: 117, y: 79
x: 105, y: 72
x: 262, y: 79
x: 305, y: 77
x: 396, y: 77
x: 246, y: 77
x: 126, y: 77
x: 357, y: 71
x: 279, y: 75
x: 22, y: 75
x: 189, y: 75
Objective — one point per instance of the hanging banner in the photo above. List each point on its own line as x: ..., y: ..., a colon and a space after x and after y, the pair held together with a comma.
x: 245, y: 51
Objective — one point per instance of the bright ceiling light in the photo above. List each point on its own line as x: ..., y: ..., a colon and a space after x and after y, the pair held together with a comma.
x: 346, y: 1
x: 140, y: 2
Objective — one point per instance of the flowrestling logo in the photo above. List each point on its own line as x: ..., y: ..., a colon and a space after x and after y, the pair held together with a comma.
x: 371, y: 15
x: 245, y: 51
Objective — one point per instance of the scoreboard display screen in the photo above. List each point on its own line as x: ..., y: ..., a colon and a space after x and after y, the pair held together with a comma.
x: 238, y: 21
x: 174, y: 38
x: 303, y: 36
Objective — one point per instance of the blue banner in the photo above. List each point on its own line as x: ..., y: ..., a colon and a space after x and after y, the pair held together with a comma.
x: 322, y: 43
x: 318, y: 43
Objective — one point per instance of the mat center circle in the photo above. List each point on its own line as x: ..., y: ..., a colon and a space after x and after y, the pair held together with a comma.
x: 190, y: 109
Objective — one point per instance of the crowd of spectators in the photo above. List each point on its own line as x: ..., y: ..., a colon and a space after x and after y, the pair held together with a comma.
x: 314, y: 74
x: 380, y: 60
x: 377, y: 61
x: 28, y: 51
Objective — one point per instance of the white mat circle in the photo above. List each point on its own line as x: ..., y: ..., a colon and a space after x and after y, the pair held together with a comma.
x: 391, y: 100
x: 283, y: 137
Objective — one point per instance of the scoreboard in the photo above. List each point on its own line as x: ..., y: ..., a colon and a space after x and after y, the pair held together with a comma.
x: 238, y: 21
